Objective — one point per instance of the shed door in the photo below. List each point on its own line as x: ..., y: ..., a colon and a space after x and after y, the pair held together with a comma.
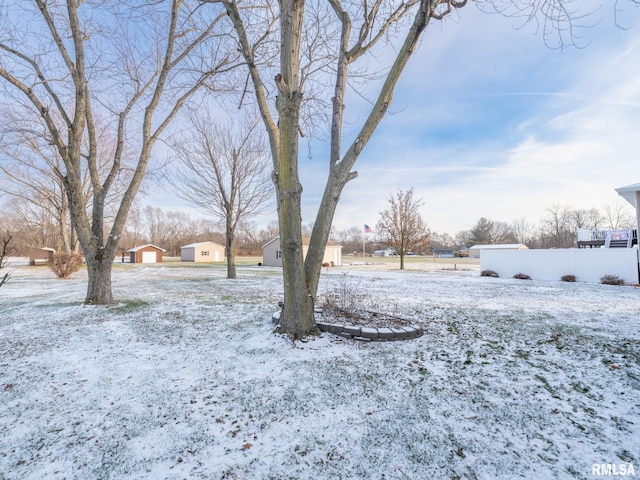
x: 149, y: 257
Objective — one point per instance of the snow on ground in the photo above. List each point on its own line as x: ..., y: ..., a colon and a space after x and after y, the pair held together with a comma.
x: 184, y: 379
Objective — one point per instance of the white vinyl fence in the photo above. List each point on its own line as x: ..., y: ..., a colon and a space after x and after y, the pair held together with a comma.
x: 587, y: 264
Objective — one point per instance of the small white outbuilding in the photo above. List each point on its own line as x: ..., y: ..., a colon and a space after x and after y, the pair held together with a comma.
x: 145, y: 254
x: 272, y: 253
x: 476, y: 250
x: 202, y: 252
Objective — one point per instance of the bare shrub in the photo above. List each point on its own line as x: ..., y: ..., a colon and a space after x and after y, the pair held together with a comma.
x: 568, y: 278
x: 64, y: 264
x: 611, y: 280
x: 489, y: 273
x: 346, y: 298
x: 522, y: 276
x: 349, y: 302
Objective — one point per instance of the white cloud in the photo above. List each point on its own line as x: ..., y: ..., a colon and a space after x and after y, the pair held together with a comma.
x: 570, y: 144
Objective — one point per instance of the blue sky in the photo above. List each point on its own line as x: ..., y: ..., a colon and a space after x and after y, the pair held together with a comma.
x: 488, y: 121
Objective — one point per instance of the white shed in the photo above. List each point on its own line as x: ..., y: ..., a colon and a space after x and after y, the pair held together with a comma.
x: 474, y: 252
x: 272, y: 253
x: 202, y: 252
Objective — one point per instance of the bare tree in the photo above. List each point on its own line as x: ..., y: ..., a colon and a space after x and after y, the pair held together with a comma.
x: 225, y: 172
x: 556, y: 226
x: 31, y: 172
x: 584, y: 218
x: 523, y: 231
x: 303, y: 53
x: 401, y: 225
x: 502, y: 233
x: 254, y: 238
x: 442, y: 240
x: 351, y: 239
x: 340, y: 54
x: 38, y: 185
x: 463, y: 238
x: 131, y: 66
x: 5, y: 251
x: 132, y: 235
x: 618, y: 215
x: 37, y: 224
x: 169, y: 229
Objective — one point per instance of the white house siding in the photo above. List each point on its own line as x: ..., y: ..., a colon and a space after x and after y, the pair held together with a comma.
x: 332, y: 255
x: 202, y: 252
x: 187, y: 254
x: 272, y: 253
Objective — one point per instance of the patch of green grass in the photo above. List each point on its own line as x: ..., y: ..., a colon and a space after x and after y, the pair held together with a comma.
x: 128, y: 306
x: 547, y: 386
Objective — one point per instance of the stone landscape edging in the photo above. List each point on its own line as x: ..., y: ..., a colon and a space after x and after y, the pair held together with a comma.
x: 366, y: 334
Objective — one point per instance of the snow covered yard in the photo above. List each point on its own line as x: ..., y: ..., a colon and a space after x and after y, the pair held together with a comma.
x: 183, y: 379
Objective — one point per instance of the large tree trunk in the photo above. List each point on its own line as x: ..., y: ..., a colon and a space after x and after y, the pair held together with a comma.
x: 297, y: 319
x: 231, y: 257
x: 99, y: 287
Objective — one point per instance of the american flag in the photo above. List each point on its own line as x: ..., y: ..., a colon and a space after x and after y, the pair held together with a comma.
x: 367, y: 229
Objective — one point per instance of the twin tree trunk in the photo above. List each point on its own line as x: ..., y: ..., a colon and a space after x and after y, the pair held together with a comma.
x: 99, y: 287
x: 300, y: 280
x: 297, y: 317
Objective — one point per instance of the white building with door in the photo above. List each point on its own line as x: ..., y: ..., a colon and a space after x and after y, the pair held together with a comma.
x: 272, y: 253
x: 201, y: 252
x: 145, y: 254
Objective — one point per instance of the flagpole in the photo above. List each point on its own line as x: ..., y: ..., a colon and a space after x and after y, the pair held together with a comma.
x: 364, y: 239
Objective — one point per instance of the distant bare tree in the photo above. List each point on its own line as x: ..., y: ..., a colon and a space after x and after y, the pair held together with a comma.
x: 585, y: 218
x: 442, y: 240
x: 618, y: 215
x: 226, y: 172
x: 5, y: 251
x: 351, y: 239
x: 133, y: 235
x: 254, y: 238
x: 523, y: 231
x: 557, y: 227
x: 401, y: 225
x: 463, y: 238
x: 169, y: 229
x: 502, y: 233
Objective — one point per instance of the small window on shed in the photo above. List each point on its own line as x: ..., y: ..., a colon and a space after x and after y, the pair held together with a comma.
x: 204, y: 253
